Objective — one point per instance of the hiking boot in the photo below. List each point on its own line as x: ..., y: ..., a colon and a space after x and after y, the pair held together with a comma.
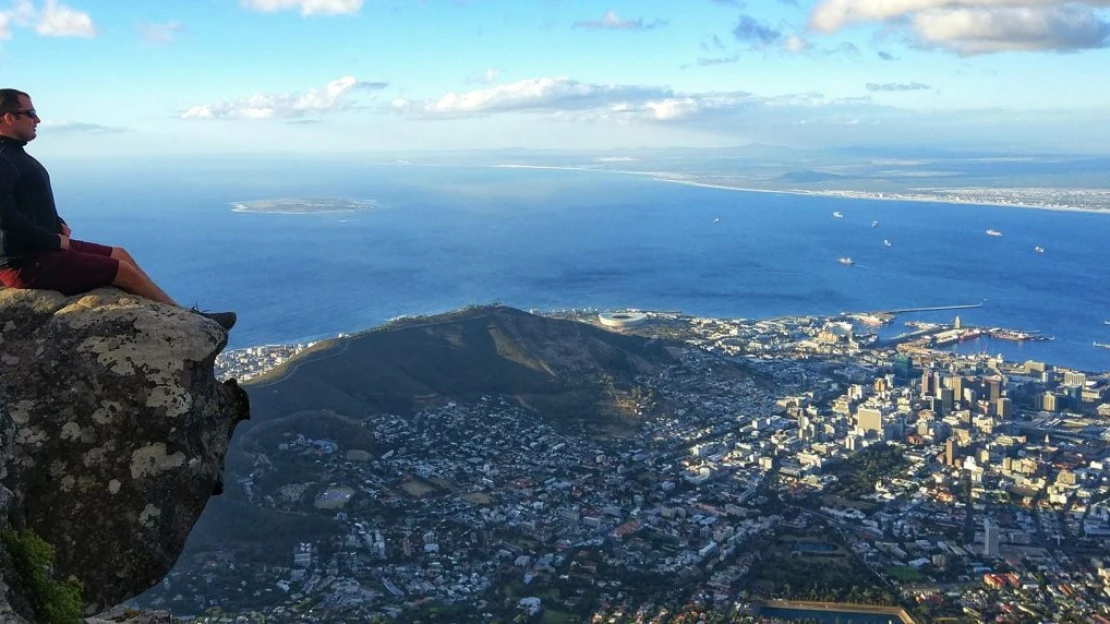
x: 225, y: 319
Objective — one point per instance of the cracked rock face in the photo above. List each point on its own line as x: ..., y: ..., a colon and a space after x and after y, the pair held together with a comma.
x: 119, y: 431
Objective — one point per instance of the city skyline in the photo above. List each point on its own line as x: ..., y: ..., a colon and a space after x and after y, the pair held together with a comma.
x: 349, y: 76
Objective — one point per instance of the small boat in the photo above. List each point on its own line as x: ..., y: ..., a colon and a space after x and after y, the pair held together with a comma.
x: 717, y: 220
x: 874, y: 224
x: 846, y: 261
x: 838, y: 215
x: 1103, y: 345
x: 886, y: 241
x: 1038, y: 249
x: 993, y: 232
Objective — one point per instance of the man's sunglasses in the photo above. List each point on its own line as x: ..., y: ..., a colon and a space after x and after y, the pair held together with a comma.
x: 30, y: 112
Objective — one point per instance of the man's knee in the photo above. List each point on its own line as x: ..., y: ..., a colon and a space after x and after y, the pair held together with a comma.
x: 119, y: 253
x: 126, y: 274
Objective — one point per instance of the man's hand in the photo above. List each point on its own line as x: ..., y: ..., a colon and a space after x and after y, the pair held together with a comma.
x: 66, y: 231
x: 64, y: 240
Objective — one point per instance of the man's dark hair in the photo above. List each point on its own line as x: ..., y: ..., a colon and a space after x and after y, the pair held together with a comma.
x: 9, y: 100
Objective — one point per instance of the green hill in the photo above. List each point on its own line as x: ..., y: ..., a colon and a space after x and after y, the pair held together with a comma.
x: 561, y: 368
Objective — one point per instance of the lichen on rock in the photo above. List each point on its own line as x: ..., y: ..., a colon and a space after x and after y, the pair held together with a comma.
x: 115, y: 429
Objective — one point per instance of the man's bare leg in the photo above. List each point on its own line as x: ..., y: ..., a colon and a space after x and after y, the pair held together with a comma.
x: 119, y: 253
x: 130, y: 279
x: 134, y: 280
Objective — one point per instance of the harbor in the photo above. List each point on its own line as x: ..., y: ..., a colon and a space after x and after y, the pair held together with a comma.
x: 936, y: 334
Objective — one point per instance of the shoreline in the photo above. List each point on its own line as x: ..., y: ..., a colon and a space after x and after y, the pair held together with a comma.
x: 840, y: 194
x: 1003, y: 344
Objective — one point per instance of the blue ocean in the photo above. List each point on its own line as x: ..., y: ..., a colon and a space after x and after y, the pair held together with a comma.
x: 445, y: 237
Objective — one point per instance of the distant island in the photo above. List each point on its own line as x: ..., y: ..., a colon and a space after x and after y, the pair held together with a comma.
x: 304, y: 206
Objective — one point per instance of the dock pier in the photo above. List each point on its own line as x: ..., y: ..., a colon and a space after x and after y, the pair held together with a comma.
x: 964, y: 306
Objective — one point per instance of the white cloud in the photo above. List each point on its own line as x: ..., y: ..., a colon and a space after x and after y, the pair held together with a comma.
x: 704, y: 61
x: 162, y: 33
x: 970, y: 31
x: 538, y: 94
x: 55, y: 20
x: 977, y: 26
x: 795, y: 44
x: 58, y: 20
x: 610, y: 21
x: 570, y: 100
x: 307, y: 7
x: 332, y: 98
x: 897, y: 86
x: 21, y: 14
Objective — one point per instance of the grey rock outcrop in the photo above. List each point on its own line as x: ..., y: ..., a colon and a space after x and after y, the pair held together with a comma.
x: 118, y: 431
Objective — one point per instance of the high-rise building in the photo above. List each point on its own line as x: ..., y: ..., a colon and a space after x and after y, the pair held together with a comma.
x: 970, y: 396
x: 1073, y: 378
x: 957, y: 385
x: 880, y: 386
x: 951, y: 450
x: 1050, y: 402
x: 869, y: 419
x: 990, y: 538
x: 903, y: 368
x: 1004, y: 408
x: 927, y: 383
x: 994, y: 389
x: 936, y: 405
x: 947, y: 399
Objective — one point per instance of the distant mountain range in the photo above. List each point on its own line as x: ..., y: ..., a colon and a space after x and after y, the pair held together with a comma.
x: 809, y: 176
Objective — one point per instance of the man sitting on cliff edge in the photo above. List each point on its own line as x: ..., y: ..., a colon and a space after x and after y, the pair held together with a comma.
x: 35, y: 248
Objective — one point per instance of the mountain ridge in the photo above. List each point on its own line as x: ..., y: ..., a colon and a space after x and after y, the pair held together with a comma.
x: 407, y: 363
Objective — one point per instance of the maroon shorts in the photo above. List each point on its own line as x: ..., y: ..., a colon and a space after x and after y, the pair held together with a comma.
x: 81, y: 268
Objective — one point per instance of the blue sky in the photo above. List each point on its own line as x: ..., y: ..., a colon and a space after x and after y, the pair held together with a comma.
x: 167, y: 77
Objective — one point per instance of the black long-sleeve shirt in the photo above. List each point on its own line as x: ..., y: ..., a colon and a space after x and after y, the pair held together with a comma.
x: 29, y: 221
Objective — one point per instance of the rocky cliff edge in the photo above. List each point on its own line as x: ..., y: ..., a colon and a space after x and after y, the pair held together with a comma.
x: 113, y: 432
